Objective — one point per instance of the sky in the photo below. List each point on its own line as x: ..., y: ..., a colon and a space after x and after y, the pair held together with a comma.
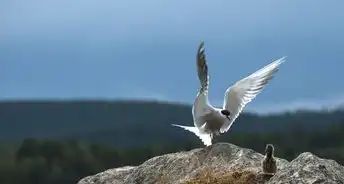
x: 131, y: 49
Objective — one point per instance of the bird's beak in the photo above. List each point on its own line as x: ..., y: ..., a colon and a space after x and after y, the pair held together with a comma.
x: 228, y: 118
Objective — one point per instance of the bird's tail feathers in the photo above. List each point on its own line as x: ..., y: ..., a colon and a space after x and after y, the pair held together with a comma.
x: 205, y: 137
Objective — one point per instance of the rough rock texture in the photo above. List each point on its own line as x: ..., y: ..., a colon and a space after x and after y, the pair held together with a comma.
x: 219, y: 160
x: 308, y: 168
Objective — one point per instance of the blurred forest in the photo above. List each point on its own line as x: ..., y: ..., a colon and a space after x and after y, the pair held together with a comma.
x: 40, y: 153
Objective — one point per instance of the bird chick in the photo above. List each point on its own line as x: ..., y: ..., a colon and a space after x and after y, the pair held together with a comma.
x: 269, y: 163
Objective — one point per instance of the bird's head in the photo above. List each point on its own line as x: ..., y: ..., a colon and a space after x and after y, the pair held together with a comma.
x: 269, y: 150
x: 226, y: 113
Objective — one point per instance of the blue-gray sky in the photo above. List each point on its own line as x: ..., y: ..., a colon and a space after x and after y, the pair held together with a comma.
x: 146, y: 49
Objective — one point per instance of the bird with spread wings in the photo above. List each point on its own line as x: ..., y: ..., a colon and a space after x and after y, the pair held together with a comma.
x: 209, y: 120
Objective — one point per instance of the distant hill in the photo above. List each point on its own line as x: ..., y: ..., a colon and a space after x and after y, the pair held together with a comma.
x: 133, y: 122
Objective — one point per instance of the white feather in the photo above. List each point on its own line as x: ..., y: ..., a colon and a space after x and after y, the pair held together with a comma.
x: 245, y: 90
x: 205, y: 138
x: 201, y: 106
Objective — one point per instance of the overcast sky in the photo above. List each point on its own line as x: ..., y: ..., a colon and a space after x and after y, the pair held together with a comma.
x: 146, y: 49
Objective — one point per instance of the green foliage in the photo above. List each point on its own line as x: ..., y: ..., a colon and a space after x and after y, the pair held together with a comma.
x: 53, y: 161
x: 146, y: 122
x: 71, y: 140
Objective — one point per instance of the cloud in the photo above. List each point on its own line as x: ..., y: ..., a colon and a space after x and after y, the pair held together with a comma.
x: 330, y: 102
x: 85, y: 47
x: 139, y: 93
x: 299, y: 104
x: 151, y: 18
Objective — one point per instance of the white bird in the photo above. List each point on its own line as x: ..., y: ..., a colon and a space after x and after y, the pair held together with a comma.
x: 209, y: 120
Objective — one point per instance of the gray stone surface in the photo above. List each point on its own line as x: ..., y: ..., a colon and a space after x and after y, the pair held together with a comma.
x: 220, y: 158
x: 308, y: 168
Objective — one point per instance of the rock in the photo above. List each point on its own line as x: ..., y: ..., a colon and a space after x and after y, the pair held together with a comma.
x: 111, y: 176
x: 221, y: 163
x: 308, y: 168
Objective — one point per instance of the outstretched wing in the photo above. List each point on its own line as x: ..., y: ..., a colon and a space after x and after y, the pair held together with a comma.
x: 245, y: 90
x: 202, y: 68
x: 201, y: 105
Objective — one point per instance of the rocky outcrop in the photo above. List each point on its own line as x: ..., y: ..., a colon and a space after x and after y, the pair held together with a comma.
x: 308, y: 168
x: 221, y: 163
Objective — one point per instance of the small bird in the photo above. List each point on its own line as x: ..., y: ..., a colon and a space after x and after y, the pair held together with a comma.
x: 209, y: 120
x: 269, y: 162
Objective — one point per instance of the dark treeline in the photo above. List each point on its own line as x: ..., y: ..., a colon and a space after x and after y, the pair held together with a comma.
x: 73, y: 139
x: 146, y: 122
x: 54, y: 161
